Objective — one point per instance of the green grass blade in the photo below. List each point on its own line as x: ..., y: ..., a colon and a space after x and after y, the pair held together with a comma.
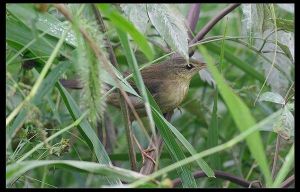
x: 122, y: 23
x: 286, y: 167
x: 213, y: 134
x: 241, y: 115
x: 39, y: 80
x: 136, y: 75
x: 85, y: 129
x: 175, y: 150
x: 45, y: 22
x: 210, y: 151
x: 45, y: 89
x: 236, y: 61
x: 164, y: 123
x: 36, y: 147
x: 13, y: 171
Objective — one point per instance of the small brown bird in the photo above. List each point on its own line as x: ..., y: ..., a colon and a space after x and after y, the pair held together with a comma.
x: 168, y: 82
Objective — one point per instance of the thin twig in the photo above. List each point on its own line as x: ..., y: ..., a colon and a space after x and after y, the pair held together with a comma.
x: 221, y: 175
x: 210, y: 25
x: 276, y: 156
x: 129, y: 134
x: 157, y: 144
x: 289, y: 181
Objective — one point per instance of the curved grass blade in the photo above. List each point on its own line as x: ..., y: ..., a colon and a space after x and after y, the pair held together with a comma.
x: 13, y: 171
x: 45, y: 22
x: 241, y: 115
x: 86, y: 130
x: 286, y: 167
x: 122, y: 23
x: 174, y: 148
x: 210, y: 151
x: 162, y: 123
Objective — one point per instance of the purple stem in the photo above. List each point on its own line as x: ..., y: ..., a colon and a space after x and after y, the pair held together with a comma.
x: 210, y: 25
x: 193, y: 17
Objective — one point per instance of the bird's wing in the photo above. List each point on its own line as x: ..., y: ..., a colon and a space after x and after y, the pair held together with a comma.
x: 137, y: 102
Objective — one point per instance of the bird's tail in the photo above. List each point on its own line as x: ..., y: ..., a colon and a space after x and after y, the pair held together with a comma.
x: 71, y: 83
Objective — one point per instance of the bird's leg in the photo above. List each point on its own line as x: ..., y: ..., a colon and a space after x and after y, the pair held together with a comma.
x: 145, y: 152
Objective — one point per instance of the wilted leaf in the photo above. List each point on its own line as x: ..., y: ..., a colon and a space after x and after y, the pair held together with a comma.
x: 256, y: 20
x: 285, y: 124
x: 272, y: 97
x: 206, y: 77
x: 170, y: 26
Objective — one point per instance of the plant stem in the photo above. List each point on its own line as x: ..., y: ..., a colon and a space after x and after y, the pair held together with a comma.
x: 220, y: 175
x: 210, y: 25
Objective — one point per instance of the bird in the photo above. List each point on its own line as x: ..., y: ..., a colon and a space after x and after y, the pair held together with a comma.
x: 167, y: 81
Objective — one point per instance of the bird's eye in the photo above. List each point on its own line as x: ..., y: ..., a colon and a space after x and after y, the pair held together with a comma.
x: 189, y: 66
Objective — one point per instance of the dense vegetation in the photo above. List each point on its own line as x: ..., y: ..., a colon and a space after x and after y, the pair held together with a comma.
x: 236, y: 122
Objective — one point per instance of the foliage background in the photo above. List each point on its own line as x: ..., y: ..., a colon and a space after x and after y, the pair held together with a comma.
x: 264, y: 81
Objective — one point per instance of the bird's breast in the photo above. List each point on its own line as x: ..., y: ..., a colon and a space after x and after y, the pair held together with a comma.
x: 171, y: 95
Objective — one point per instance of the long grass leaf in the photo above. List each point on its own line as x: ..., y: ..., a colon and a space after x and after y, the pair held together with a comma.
x: 85, y: 129
x: 13, y: 171
x: 286, y: 167
x: 241, y: 115
x: 210, y: 151
x: 173, y: 147
x: 122, y: 23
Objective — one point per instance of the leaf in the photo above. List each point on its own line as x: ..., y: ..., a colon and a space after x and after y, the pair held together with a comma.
x: 241, y: 115
x: 162, y: 123
x: 206, y: 77
x: 286, y: 50
x: 85, y: 129
x: 175, y: 151
x: 233, y: 59
x: 227, y: 145
x: 42, y: 21
x: 45, y: 89
x: 15, y: 170
x: 213, y: 134
x: 122, y: 23
x: 285, y: 125
x: 285, y: 168
x: 171, y: 27
x: 256, y: 20
x: 137, y: 14
x: 285, y: 24
x: 174, y: 148
x: 272, y: 97
x: 18, y: 35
